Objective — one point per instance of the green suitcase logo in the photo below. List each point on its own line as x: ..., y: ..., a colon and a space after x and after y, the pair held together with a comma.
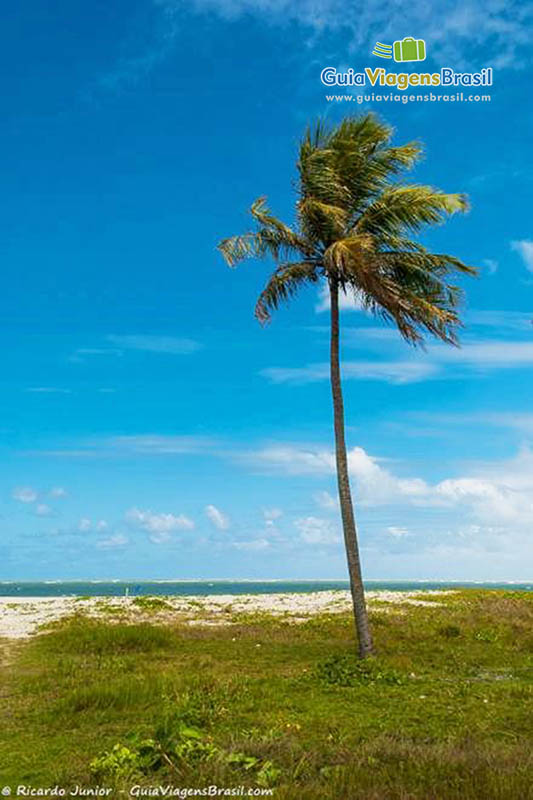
x: 410, y: 49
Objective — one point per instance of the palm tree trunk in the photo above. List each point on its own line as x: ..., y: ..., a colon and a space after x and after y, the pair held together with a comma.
x: 362, y: 627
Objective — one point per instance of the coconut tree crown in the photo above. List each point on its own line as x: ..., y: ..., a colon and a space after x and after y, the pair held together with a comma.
x: 354, y: 226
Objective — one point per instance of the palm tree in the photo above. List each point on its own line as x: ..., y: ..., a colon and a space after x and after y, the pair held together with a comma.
x: 354, y: 227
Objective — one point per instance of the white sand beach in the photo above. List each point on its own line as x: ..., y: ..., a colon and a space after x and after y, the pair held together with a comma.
x: 21, y: 617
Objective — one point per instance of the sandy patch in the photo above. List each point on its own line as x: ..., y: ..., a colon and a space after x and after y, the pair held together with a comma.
x: 23, y: 616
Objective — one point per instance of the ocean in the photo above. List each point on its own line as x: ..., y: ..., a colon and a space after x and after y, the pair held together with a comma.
x: 132, y: 588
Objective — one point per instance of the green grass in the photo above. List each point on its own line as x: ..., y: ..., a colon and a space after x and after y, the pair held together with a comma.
x: 154, y: 604
x: 445, y: 712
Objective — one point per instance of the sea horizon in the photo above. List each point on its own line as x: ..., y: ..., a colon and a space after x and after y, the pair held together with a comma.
x: 205, y: 586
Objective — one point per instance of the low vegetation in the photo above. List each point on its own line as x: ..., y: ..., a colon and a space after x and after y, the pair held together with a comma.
x: 444, y: 713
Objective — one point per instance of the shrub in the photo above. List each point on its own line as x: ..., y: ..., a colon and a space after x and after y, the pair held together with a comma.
x: 120, y: 762
x: 486, y: 635
x: 187, y: 748
x: 346, y: 670
x: 147, y: 603
x: 450, y: 631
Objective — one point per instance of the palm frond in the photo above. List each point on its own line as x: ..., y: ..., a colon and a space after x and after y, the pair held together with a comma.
x: 284, y: 284
x: 268, y: 222
x: 319, y: 178
x: 393, y: 160
x: 272, y: 238
x: 348, y: 166
x: 411, y: 290
x: 321, y: 222
x: 238, y: 248
x: 366, y: 132
x: 362, y: 156
x: 435, y: 263
x: 344, y: 257
x: 409, y: 208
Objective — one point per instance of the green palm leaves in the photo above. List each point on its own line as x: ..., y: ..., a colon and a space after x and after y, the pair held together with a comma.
x: 355, y: 223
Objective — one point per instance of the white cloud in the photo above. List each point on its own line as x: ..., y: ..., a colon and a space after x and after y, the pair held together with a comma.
x: 217, y: 518
x: 489, y: 499
x: 372, y: 333
x: 252, y: 545
x: 517, y: 420
x: 82, y: 353
x: 524, y: 247
x: 157, y: 445
x: 98, y: 351
x: 172, y: 345
x: 499, y: 493
x: 25, y: 494
x: 493, y: 354
x: 375, y: 485
x: 48, y: 390
x: 159, y: 526
x: 347, y: 301
x: 134, y: 67
x: 271, y: 515
x: 142, y: 444
x: 42, y: 510
x: 397, y: 532
x: 520, y: 421
x: 315, y: 530
x: 480, y: 356
x: 454, y: 32
x: 58, y: 491
x: 491, y: 265
x: 116, y: 540
x: 500, y: 319
x: 326, y: 501
x: 397, y: 372
x: 85, y: 525
x: 294, y: 460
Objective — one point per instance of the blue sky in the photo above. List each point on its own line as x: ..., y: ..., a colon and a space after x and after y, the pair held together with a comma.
x: 150, y: 427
